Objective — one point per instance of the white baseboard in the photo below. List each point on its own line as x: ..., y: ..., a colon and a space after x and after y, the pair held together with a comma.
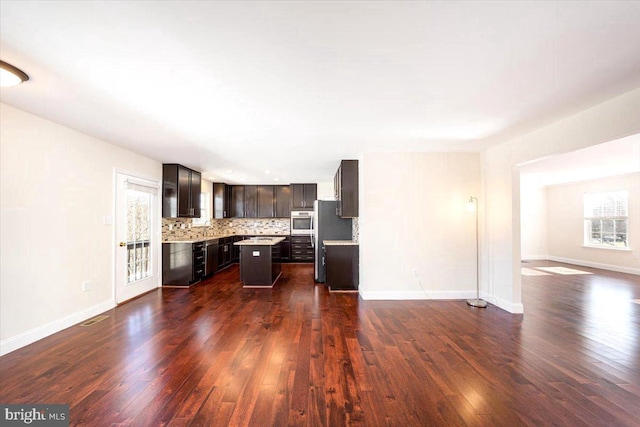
x: 513, y: 308
x: 10, y: 344
x: 535, y: 257
x: 628, y: 270
x: 415, y: 295
x: 440, y: 295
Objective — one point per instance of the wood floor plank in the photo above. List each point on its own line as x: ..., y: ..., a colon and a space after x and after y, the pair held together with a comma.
x: 220, y: 355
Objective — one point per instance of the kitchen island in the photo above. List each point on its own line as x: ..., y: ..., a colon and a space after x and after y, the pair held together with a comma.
x: 260, y: 264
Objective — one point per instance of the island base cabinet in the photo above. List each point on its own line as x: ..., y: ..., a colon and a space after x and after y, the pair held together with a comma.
x: 342, y: 267
x: 260, y: 266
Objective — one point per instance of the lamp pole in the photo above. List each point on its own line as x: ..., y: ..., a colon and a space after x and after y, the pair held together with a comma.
x: 473, y: 202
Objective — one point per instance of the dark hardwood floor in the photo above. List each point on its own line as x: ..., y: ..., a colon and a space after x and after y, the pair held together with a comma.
x: 217, y: 354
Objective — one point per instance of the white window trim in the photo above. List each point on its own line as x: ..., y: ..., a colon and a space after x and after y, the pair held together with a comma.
x: 610, y: 248
x: 587, y: 233
x: 205, y: 213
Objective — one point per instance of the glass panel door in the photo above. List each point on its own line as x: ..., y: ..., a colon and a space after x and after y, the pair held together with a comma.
x: 137, y: 236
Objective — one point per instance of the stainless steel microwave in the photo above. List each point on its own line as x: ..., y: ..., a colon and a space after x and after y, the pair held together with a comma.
x: 301, y: 223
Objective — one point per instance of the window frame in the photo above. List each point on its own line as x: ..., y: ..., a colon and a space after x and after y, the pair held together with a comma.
x: 205, y: 211
x: 596, y: 201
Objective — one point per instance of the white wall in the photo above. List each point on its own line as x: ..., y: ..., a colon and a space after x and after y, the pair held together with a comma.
x: 500, y: 270
x: 56, y: 186
x: 413, y: 216
x: 325, y: 191
x: 533, y: 220
x: 565, y: 210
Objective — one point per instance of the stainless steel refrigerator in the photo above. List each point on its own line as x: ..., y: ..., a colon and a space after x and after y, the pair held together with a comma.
x: 327, y: 226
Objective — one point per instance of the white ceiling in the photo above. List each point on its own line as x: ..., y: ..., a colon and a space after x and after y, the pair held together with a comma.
x: 293, y: 87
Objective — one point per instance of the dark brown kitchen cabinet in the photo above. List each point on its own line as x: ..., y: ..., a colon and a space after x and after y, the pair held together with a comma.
x: 250, y: 201
x: 342, y: 266
x: 346, y: 189
x: 183, y: 264
x: 237, y: 201
x: 235, y: 249
x: 266, y: 201
x: 282, y: 201
x: 285, y: 249
x: 225, y: 252
x: 302, y: 249
x: 303, y: 196
x: 180, y: 192
x: 221, y: 200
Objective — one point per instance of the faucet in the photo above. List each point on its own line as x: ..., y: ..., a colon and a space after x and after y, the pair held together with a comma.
x: 204, y: 229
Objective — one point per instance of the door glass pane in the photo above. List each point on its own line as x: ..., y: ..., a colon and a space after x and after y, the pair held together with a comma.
x: 138, y: 235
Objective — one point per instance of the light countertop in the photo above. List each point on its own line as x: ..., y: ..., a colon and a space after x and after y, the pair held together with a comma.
x: 340, y: 243
x: 260, y: 241
x: 219, y: 236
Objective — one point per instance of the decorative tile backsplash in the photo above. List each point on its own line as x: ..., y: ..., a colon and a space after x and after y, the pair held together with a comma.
x: 355, y: 230
x: 182, y: 229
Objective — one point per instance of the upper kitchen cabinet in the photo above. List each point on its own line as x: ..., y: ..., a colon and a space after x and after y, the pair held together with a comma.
x: 266, y: 201
x: 346, y: 189
x: 250, y: 201
x: 180, y: 192
x: 282, y: 201
x: 303, y: 196
x: 221, y: 200
x: 237, y: 201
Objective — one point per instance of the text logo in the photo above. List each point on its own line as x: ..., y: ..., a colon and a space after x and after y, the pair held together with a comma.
x: 40, y: 415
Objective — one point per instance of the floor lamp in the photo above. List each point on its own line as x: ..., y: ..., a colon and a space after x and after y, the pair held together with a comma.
x: 473, y: 206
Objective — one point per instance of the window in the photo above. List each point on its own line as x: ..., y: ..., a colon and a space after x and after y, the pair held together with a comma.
x: 605, y: 219
x: 139, y: 224
x: 205, y: 210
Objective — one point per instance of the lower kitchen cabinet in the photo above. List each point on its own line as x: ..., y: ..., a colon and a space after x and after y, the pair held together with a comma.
x: 285, y: 249
x: 342, y: 267
x: 183, y: 264
x: 225, y: 251
x: 302, y: 249
x: 235, y: 250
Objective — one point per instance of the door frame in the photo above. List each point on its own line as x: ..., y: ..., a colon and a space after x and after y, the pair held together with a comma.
x: 114, y: 236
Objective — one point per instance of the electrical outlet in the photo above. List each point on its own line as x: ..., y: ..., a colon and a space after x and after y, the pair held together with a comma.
x: 635, y: 255
x: 415, y: 272
x: 86, y: 285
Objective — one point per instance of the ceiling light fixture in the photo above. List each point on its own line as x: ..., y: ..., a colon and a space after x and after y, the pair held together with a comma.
x: 10, y: 75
